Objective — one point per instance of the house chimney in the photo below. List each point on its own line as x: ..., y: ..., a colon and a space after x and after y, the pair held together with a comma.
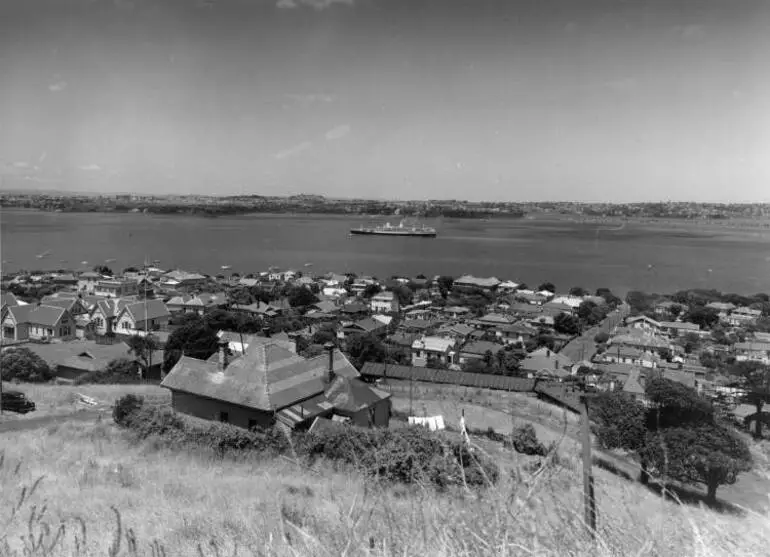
x: 222, y: 365
x: 329, y: 347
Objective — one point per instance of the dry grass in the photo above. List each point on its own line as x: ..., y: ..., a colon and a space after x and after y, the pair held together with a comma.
x: 61, y: 400
x: 274, y: 508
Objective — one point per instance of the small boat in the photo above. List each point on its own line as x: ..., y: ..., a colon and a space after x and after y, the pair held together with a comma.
x: 226, y: 267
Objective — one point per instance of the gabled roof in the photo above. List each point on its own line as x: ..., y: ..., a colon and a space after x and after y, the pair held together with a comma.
x: 82, y: 355
x: 543, y: 358
x: 267, y: 377
x: 65, y: 303
x: 111, y: 307
x: 470, y: 280
x: 680, y: 325
x: 367, y: 325
x: 148, y: 309
x: 481, y: 347
x: 47, y: 316
x: 8, y: 299
x: 633, y: 384
x: 433, y: 344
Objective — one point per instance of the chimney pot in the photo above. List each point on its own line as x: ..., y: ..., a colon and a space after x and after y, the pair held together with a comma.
x: 329, y: 347
x: 222, y: 356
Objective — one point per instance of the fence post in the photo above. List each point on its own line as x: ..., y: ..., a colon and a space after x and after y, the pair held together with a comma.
x: 589, y: 500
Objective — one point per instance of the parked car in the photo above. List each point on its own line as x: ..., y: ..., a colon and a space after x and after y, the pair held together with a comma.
x: 16, y: 401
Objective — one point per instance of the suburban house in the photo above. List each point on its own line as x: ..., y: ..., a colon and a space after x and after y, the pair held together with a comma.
x: 183, y: 279
x: 76, y: 306
x: 742, y: 316
x: 456, y: 312
x: 9, y: 300
x: 752, y: 352
x: 365, y: 326
x: 679, y: 328
x: 238, y: 343
x: 630, y: 355
x: 641, y: 339
x: 530, y: 297
x: 507, y: 286
x: 459, y: 332
x: 384, y: 302
x: 116, y: 288
x: 87, y: 281
x: 271, y: 385
x: 515, y: 333
x: 491, y: 321
x: 544, y: 362
x: 69, y: 360
x: 555, y: 308
x: 666, y: 307
x: 199, y: 303
x: 105, y: 312
x: 430, y: 349
x: 567, y: 300
x: 148, y: 315
x: 634, y: 385
x: 37, y: 322
x: 64, y: 279
x: 477, y: 350
x: 469, y: 281
x: 644, y: 323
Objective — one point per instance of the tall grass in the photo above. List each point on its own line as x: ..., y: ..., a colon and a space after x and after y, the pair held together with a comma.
x: 82, y: 489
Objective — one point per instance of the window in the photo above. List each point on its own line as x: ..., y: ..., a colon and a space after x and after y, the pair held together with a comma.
x: 50, y: 332
x: 224, y: 417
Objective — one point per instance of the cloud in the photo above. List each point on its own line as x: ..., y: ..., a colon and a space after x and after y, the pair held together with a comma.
x: 58, y: 86
x: 90, y: 167
x: 317, y: 4
x: 338, y: 133
x: 293, y: 151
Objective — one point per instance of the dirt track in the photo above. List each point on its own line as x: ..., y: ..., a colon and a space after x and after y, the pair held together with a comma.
x: 27, y: 424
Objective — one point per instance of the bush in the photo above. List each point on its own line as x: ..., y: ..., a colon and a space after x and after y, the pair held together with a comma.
x: 407, y: 455
x: 525, y: 441
x: 125, y: 407
x: 21, y: 364
x: 601, y: 337
x: 118, y: 372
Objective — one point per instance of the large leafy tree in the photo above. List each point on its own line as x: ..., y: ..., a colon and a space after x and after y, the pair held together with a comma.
x: 566, y: 324
x: 708, y: 454
x: 195, y: 339
x: 142, y: 348
x: 620, y: 423
x: 754, y: 378
x: 21, y: 364
x: 300, y: 297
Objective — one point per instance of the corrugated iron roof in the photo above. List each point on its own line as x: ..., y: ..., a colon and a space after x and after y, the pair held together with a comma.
x: 460, y: 378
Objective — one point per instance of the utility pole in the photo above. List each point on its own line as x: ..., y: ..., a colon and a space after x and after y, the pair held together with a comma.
x: 589, y: 500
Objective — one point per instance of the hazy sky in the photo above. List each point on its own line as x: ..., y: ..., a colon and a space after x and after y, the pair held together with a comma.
x: 589, y: 100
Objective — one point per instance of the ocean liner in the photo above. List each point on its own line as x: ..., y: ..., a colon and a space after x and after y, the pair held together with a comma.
x: 400, y: 230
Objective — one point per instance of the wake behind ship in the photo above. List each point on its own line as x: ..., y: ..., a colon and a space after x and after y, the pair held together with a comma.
x: 400, y: 230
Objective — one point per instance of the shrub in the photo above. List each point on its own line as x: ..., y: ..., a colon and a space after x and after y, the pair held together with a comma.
x: 118, y: 372
x: 21, y: 364
x: 525, y: 441
x: 125, y: 407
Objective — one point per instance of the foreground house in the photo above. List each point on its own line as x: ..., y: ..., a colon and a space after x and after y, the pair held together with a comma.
x: 37, y: 322
x: 148, y: 315
x: 271, y: 385
x: 431, y: 349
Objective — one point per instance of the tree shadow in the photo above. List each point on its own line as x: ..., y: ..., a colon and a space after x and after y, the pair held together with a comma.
x: 682, y: 495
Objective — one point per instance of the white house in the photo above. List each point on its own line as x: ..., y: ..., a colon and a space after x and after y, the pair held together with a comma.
x: 151, y: 315
x: 384, y: 302
x: 432, y: 349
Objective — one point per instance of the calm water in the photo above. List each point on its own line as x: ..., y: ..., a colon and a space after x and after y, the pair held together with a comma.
x: 563, y: 252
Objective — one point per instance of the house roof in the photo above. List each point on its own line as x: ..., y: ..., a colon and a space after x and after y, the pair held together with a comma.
x: 8, y: 299
x: 354, y: 307
x: 683, y: 325
x: 643, y: 318
x: 111, y: 307
x: 460, y: 329
x: 543, y: 358
x: 419, y: 324
x: 753, y: 346
x: 267, y: 377
x: 481, y: 347
x: 433, y: 344
x: 402, y: 339
x: 326, y: 306
x: 456, y: 309
x: 47, y: 316
x: 148, y: 309
x: 353, y: 395
x: 367, y: 325
x: 65, y: 303
x: 82, y: 355
x: 495, y: 318
x: 633, y: 383
x: 470, y: 280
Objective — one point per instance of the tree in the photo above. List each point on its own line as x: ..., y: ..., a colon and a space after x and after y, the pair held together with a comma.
x: 755, y: 379
x: 142, y: 348
x: 547, y: 286
x: 363, y: 348
x: 578, y: 291
x: 601, y: 337
x: 21, y: 364
x: 445, y: 283
x: 404, y: 295
x: 372, y: 290
x: 709, y: 454
x: 195, y: 339
x: 121, y: 371
x: 703, y: 316
x: 620, y: 424
x: 566, y: 324
x: 103, y: 270
x: 301, y: 297
x: 610, y: 298
x: 639, y: 301
x: 590, y: 313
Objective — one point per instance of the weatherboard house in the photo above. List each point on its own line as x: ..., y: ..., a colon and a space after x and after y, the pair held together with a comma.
x: 271, y: 385
x: 37, y: 322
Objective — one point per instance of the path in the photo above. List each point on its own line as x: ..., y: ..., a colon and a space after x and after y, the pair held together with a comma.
x: 583, y: 347
x: 35, y: 423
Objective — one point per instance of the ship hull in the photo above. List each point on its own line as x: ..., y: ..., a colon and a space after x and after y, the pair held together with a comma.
x: 414, y: 234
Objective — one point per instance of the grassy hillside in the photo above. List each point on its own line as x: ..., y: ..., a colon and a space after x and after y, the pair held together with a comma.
x: 275, y: 507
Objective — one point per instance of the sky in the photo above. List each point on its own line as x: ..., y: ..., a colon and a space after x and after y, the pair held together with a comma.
x: 504, y: 100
